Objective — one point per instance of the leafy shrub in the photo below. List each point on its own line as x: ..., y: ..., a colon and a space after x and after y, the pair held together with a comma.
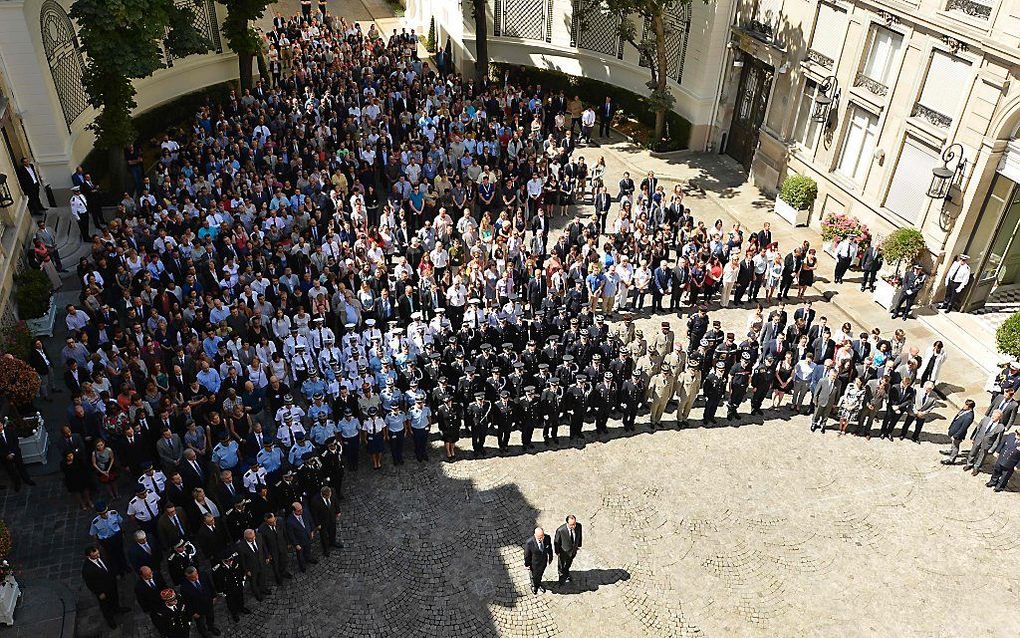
x: 19, y: 382
x: 594, y: 92
x: 16, y: 339
x: 1007, y: 337
x: 799, y: 191
x: 32, y: 294
x: 903, y: 245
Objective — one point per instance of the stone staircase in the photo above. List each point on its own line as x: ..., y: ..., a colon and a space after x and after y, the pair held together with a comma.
x: 69, y: 242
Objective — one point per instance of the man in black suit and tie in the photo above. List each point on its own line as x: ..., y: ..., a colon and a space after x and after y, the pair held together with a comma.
x: 299, y: 531
x: 764, y: 236
x: 10, y: 456
x: 538, y: 553
x: 791, y: 268
x: 871, y: 263
x: 143, y: 553
x: 325, y: 511
x: 198, y: 595
x: 102, y: 581
x: 901, y: 398
x: 255, y: 561
x: 566, y: 543
x: 606, y: 113
x: 191, y: 470
x: 603, y: 202
x: 28, y: 178
x: 147, y: 589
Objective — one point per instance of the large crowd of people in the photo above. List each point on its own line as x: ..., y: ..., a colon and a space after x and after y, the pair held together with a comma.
x: 359, y: 251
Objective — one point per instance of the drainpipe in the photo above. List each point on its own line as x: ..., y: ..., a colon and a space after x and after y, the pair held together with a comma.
x: 722, y: 75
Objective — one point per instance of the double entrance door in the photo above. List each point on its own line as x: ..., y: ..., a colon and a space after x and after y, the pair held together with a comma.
x: 749, y: 110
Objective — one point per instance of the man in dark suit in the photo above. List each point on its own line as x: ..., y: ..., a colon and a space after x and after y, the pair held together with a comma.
x: 1005, y: 464
x: 901, y: 398
x: 10, y: 456
x: 147, y: 589
x: 1007, y: 404
x: 172, y: 525
x: 745, y: 275
x: 300, y: 532
x: 143, y: 553
x: 603, y: 202
x: 791, y: 268
x: 212, y: 538
x: 566, y: 543
x: 133, y: 452
x: 255, y: 562
x: 871, y: 263
x: 958, y: 431
x: 538, y: 554
x: 606, y: 113
x: 102, y: 581
x: 325, y: 511
x: 198, y: 594
x: 407, y: 305
x: 31, y: 182
x: 192, y: 470
x: 764, y: 236
x: 272, y: 535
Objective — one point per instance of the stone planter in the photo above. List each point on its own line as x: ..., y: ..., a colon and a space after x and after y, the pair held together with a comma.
x: 792, y: 215
x: 43, y: 326
x: 10, y: 592
x: 35, y: 446
x: 829, y: 249
x: 885, y: 294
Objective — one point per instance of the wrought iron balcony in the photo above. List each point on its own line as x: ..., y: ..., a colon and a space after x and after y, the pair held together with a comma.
x: 819, y: 59
x: 971, y: 8
x: 940, y: 120
x: 872, y: 86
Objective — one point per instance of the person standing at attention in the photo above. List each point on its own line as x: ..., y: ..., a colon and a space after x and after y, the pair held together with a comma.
x: 538, y: 553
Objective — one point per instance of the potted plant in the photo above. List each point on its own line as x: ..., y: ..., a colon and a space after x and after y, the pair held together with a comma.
x: 19, y: 384
x: 9, y: 589
x: 904, y: 245
x: 1007, y: 336
x: 796, y: 197
x: 839, y: 226
x: 34, y: 296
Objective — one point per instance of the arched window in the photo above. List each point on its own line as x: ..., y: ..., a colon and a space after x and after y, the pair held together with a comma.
x: 63, y: 55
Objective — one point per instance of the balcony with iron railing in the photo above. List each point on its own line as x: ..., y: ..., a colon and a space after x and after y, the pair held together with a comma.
x: 930, y: 115
x: 972, y: 8
x: 820, y: 59
x: 873, y: 86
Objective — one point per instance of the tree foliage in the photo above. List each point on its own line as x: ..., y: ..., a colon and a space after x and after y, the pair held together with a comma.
x: 124, y: 40
x: 241, y: 36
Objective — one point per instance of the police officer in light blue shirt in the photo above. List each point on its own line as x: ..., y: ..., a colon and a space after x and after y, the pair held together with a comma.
x: 396, y: 427
x: 350, y: 431
x: 322, y: 430
x: 413, y: 394
x: 271, y: 458
x: 298, y: 450
x: 106, y: 528
x: 390, y: 397
x: 226, y: 453
x: 313, y: 384
x: 319, y: 407
x: 420, y: 416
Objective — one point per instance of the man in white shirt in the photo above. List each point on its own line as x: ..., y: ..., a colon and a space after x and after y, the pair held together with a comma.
x: 80, y: 212
x: 956, y: 280
x: 846, y: 250
x: 587, y: 123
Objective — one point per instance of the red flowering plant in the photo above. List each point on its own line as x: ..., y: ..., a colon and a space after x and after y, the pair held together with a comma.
x: 19, y: 382
x: 838, y: 226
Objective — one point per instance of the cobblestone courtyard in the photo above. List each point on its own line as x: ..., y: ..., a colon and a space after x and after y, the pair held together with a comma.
x: 760, y: 530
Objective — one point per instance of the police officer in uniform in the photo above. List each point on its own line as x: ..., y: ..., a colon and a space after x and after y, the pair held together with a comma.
x: 714, y: 386
x: 331, y: 464
x: 172, y: 619
x: 478, y: 422
x: 450, y: 423
x: 632, y: 395
x: 604, y: 397
x: 238, y: 518
x: 740, y: 380
x: 503, y: 418
x: 575, y: 405
x: 183, y: 557
x: 529, y: 413
x: 697, y: 326
x: 761, y: 382
x: 350, y: 431
x: 106, y: 528
x: 552, y: 410
x: 228, y: 579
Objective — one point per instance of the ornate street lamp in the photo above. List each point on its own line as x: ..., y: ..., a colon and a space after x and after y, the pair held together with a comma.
x: 943, y: 177
x: 827, y: 96
x: 6, y: 199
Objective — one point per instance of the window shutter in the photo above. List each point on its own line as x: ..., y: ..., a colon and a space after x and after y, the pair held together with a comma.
x: 946, y: 84
x: 908, y: 191
x: 830, y: 30
x: 880, y: 58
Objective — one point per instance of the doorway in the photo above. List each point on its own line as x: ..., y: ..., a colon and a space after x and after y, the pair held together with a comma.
x: 749, y: 111
x: 994, y: 247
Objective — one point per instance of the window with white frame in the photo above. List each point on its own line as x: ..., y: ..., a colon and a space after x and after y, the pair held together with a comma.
x: 907, y: 196
x: 981, y: 9
x: 858, y: 145
x: 828, y: 35
x: 945, y: 85
x: 877, y: 73
x: 805, y: 129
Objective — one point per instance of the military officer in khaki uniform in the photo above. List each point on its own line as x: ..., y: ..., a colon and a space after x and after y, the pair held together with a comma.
x: 625, y: 330
x: 677, y: 360
x: 660, y: 390
x: 662, y: 342
x: 639, y: 346
x: 686, y: 388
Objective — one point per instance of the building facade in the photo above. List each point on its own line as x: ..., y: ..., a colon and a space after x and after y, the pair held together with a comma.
x: 550, y: 34
x: 43, y: 62
x: 905, y: 88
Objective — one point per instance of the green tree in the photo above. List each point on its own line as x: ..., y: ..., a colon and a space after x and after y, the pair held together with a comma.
x: 651, y: 43
x: 479, y: 10
x: 124, y: 40
x: 241, y: 36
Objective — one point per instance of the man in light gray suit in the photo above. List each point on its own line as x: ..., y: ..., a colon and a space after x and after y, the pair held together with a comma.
x: 987, y: 436
x: 825, y: 395
x: 170, y: 450
x: 924, y: 403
